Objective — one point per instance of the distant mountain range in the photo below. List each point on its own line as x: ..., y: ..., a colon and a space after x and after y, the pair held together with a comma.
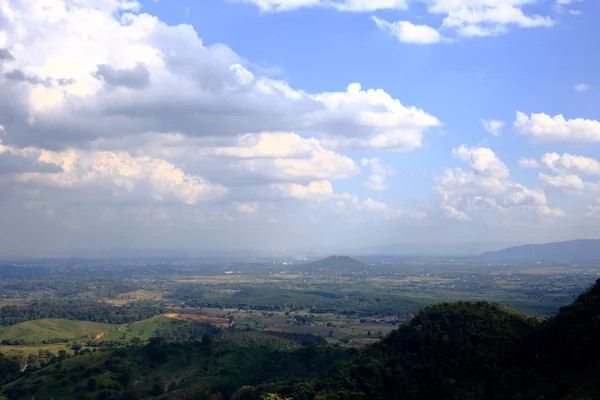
x: 571, y: 251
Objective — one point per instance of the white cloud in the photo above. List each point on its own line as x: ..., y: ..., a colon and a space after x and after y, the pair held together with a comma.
x: 528, y: 163
x: 493, y: 127
x: 285, y: 156
x: 247, y: 208
x: 563, y: 182
x: 119, y: 173
x: 133, y: 74
x: 487, y: 190
x: 370, y: 119
x: 582, y: 87
x: 575, y: 12
x: 377, y: 181
x: 486, y: 17
x: 316, y: 190
x: 408, y: 32
x: 452, y: 213
x: 341, y: 5
x: 568, y: 168
x: 544, y: 128
x: 374, y: 205
x: 482, y: 160
x: 346, y: 202
x: 466, y: 18
x: 571, y: 164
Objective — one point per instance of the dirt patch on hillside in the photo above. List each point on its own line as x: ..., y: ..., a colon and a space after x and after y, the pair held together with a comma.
x: 219, y: 322
x: 100, y: 335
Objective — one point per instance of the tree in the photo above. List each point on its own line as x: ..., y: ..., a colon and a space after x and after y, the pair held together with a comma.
x: 92, y: 385
x: 273, y: 396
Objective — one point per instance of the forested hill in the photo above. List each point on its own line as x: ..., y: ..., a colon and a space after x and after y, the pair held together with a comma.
x: 447, y: 351
x: 572, y: 251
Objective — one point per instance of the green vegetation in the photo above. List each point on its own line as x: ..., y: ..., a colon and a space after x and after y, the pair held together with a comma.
x: 45, y: 330
x: 78, y: 310
x: 451, y: 350
x: 336, y: 264
x: 144, y: 329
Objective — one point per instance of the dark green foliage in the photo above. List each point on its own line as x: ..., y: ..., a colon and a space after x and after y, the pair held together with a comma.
x: 448, y: 351
x: 10, y: 368
x: 80, y: 311
x: 190, y: 331
x: 273, y: 340
x: 564, y: 353
x: 269, y: 298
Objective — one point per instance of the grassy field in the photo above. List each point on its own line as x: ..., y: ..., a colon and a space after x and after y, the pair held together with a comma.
x: 75, y: 331
x: 45, y: 329
x: 143, y: 329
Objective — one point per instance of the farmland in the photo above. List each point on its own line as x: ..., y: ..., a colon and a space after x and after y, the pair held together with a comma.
x: 343, y: 301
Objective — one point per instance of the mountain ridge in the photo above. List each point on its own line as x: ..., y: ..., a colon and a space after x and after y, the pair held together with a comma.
x: 580, y: 250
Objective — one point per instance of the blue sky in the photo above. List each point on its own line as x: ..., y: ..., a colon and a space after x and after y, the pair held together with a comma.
x: 158, y: 123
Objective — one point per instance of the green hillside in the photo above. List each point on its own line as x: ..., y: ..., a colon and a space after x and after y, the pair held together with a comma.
x: 448, y: 351
x: 46, y: 329
x: 144, y: 329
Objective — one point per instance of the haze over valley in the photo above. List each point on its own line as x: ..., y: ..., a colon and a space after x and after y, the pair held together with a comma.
x: 299, y: 200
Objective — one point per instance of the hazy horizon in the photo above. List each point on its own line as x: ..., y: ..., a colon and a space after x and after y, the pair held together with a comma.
x: 229, y: 126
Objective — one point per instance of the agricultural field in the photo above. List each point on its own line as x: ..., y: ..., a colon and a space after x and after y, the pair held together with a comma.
x: 345, y: 301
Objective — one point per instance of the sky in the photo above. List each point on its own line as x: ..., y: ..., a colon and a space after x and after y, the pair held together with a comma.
x: 294, y: 125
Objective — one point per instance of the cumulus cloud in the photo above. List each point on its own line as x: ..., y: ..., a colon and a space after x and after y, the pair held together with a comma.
x: 119, y: 173
x: 129, y: 73
x: 582, y: 87
x: 406, y: 31
x: 341, y: 5
x: 486, y: 18
x: 544, y: 128
x: 487, y: 190
x: 568, y: 169
x: 571, y: 164
x: 377, y: 180
x: 493, y: 127
x: 251, y: 158
x: 465, y: 19
x: 482, y: 160
x: 132, y: 114
x: 528, y: 163
x: 567, y: 182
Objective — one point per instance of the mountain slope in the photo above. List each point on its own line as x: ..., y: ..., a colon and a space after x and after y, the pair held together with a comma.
x: 450, y: 351
x: 571, y: 251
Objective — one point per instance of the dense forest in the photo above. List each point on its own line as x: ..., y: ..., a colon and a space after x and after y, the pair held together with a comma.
x: 80, y: 310
x: 460, y: 350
